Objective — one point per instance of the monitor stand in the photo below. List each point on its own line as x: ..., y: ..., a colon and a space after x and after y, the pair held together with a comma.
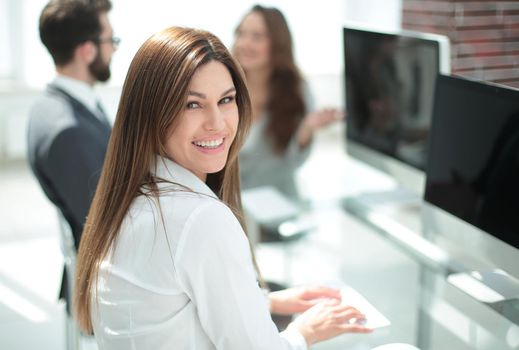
x: 495, y: 288
x: 487, y: 286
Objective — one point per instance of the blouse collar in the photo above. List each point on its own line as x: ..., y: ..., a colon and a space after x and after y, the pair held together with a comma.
x: 169, y: 170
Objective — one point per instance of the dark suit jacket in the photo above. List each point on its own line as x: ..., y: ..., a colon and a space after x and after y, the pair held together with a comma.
x: 67, y: 145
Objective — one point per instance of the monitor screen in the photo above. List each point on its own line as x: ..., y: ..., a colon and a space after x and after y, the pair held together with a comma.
x: 389, y: 85
x: 473, y: 164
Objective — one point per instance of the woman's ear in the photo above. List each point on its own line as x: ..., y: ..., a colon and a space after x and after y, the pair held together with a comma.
x: 87, y: 51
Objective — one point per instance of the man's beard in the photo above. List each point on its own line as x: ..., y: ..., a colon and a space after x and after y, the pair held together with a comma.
x: 99, y: 69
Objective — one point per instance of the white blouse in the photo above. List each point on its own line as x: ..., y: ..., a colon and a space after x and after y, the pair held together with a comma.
x: 180, y: 276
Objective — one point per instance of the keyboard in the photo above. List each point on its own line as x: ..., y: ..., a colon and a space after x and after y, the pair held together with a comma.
x: 374, y: 318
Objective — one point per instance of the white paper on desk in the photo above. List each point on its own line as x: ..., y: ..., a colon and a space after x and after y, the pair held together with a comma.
x: 374, y: 318
x: 266, y: 205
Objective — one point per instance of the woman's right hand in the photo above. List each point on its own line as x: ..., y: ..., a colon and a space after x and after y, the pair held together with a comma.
x: 314, y: 121
x: 327, y: 320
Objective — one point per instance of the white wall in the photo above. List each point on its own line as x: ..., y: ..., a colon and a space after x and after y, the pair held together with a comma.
x: 316, y: 28
x: 5, y: 62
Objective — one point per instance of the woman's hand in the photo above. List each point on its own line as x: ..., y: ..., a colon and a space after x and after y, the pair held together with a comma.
x: 299, y: 299
x: 327, y: 320
x: 316, y: 120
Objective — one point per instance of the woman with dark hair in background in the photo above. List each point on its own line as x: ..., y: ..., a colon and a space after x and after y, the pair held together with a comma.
x: 164, y: 262
x: 282, y: 126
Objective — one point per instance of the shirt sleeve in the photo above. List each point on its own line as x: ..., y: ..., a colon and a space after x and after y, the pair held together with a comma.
x: 214, y: 265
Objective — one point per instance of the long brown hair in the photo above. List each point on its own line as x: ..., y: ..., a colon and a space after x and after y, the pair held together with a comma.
x: 153, y: 95
x: 286, y: 105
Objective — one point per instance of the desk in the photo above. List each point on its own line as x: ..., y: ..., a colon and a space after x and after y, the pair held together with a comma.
x: 425, y: 310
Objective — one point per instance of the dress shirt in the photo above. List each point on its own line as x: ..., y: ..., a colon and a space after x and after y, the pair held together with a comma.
x: 82, y: 92
x: 180, y: 276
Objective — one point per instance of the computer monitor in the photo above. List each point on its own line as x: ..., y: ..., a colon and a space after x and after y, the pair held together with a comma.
x: 389, y: 87
x: 472, y: 189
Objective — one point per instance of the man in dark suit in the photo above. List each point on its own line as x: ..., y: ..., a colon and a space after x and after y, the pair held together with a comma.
x: 68, y: 130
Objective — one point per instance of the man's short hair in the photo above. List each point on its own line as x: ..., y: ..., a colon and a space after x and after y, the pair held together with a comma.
x: 65, y: 24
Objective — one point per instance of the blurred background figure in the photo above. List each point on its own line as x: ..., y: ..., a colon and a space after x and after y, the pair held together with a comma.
x: 284, y: 119
x: 68, y: 130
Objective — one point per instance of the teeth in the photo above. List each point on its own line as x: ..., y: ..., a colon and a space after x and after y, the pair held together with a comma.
x: 209, y: 144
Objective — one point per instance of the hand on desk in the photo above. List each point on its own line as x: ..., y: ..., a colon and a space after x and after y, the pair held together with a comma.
x: 327, y: 320
x: 323, y: 316
x: 299, y: 299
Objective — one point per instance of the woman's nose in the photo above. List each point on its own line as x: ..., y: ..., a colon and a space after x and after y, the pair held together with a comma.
x: 215, y: 119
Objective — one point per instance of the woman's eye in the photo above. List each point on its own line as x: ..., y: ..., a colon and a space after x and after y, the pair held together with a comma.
x: 192, y: 105
x: 226, y: 100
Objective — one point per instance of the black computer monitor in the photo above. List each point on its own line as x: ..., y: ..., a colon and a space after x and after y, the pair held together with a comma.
x: 389, y: 88
x: 472, y: 187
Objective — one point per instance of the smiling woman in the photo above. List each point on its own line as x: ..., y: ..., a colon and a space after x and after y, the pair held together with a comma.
x: 208, y: 124
x: 164, y: 261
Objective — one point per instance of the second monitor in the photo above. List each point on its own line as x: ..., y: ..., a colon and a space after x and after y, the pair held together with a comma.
x: 389, y: 85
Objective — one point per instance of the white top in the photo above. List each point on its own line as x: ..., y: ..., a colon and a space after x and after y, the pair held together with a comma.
x: 81, y: 91
x: 181, y: 277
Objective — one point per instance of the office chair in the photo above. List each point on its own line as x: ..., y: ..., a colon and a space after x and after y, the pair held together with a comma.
x: 68, y: 250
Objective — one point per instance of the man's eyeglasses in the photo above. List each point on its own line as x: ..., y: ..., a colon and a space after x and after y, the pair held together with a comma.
x: 115, y: 41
